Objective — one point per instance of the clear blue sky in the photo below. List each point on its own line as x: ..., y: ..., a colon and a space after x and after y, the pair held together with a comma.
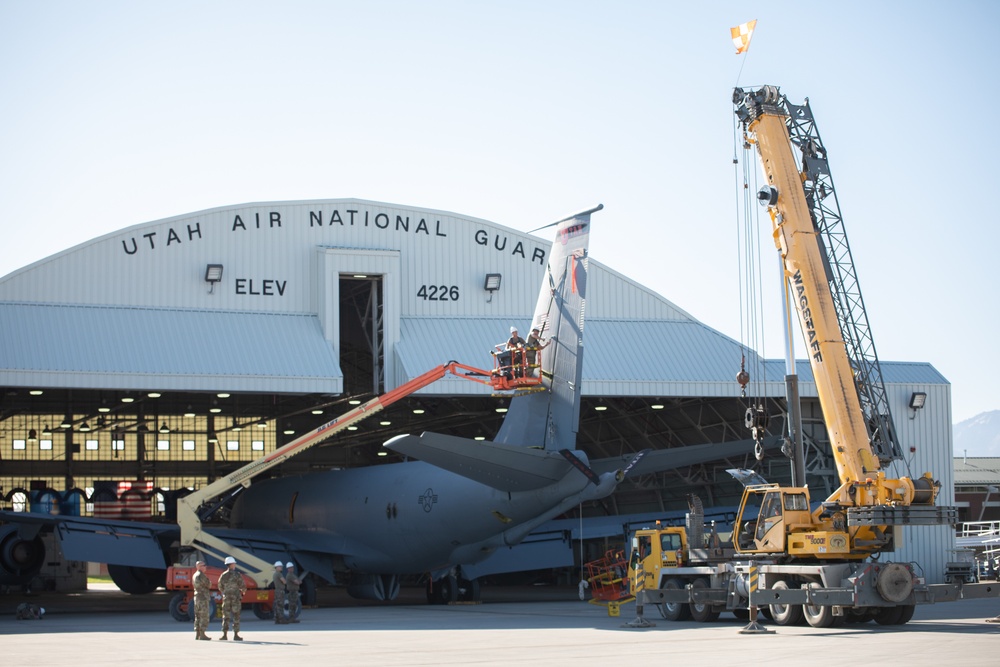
x: 117, y: 113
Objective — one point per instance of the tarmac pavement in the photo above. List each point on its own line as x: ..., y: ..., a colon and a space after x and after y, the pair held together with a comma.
x: 526, y: 626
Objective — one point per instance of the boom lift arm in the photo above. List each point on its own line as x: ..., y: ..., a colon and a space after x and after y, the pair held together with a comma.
x: 193, y: 534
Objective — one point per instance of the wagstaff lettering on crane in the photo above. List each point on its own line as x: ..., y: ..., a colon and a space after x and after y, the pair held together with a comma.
x: 800, y: 291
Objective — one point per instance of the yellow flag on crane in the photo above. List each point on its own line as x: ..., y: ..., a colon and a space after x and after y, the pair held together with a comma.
x: 742, y: 34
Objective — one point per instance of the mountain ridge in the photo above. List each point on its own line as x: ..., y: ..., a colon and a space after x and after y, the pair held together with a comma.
x: 978, y: 435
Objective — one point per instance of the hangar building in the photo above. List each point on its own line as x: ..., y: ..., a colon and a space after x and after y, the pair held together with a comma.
x: 163, y: 355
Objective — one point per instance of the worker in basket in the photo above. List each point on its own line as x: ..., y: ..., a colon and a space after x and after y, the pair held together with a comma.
x: 533, y: 346
x: 510, y: 356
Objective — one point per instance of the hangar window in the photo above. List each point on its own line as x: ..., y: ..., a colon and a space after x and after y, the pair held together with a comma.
x: 188, y: 445
x: 163, y: 445
x: 45, y: 444
x: 118, y: 444
x: 18, y: 444
x: 91, y: 445
x: 257, y: 445
x: 233, y: 445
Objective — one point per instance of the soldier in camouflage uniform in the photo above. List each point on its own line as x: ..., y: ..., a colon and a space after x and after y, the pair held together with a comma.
x: 233, y: 586
x: 279, y: 594
x: 293, y: 582
x: 202, y: 594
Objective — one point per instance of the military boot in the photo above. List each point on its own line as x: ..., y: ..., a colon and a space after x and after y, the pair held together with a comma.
x: 225, y: 635
x: 203, y: 636
x: 237, y: 637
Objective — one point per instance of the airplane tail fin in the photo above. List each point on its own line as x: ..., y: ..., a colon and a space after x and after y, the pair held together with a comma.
x: 550, y: 419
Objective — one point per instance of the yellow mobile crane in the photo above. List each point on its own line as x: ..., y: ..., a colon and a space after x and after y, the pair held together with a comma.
x: 797, y: 562
x: 855, y: 521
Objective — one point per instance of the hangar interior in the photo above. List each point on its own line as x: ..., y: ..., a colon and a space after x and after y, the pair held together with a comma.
x: 210, y: 339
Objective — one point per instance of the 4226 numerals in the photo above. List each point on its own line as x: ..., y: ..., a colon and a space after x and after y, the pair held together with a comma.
x: 438, y: 292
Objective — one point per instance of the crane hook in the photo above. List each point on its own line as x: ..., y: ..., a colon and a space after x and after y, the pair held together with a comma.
x: 743, y: 378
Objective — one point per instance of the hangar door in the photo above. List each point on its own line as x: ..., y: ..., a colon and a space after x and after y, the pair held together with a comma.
x: 362, y: 334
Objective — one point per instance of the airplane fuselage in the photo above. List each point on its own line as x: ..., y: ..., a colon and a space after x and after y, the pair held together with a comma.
x: 402, y: 518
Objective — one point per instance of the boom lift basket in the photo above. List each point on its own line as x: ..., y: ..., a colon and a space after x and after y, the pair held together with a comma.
x: 512, y: 370
x: 608, y: 577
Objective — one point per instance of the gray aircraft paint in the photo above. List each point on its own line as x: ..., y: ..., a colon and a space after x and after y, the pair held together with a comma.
x: 379, y: 520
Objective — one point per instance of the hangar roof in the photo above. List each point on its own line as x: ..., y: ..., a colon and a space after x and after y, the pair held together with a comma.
x: 621, y: 357
x: 102, y: 347
x: 143, y: 348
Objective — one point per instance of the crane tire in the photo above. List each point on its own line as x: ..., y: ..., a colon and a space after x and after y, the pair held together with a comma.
x: 674, y: 611
x: 702, y: 612
x: 785, y: 614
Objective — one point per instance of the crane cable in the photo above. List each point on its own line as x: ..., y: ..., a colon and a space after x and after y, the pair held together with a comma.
x: 750, y: 288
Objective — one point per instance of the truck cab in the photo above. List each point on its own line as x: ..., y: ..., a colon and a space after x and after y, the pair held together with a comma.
x: 657, y: 549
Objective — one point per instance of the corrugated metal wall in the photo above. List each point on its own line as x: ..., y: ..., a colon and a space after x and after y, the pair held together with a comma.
x: 927, y: 431
x: 267, y: 253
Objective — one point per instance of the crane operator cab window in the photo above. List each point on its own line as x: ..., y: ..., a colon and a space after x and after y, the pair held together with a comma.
x: 796, y: 502
x: 749, y: 514
x: 770, y: 514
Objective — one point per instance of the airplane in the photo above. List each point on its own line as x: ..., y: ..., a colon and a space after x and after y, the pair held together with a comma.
x: 458, y: 503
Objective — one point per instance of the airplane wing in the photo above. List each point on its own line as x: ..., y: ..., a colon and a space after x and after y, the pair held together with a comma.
x: 145, y: 544
x: 503, y: 467
x: 118, y: 542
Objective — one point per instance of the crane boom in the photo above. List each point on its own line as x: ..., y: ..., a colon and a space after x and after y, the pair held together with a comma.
x: 823, y: 286
x: 807, y: 269
x: 193, y: 533
x: 821, y: 196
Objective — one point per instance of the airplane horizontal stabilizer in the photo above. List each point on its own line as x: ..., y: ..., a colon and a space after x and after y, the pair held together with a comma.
x: 503, y: 467
x: 680, y: 457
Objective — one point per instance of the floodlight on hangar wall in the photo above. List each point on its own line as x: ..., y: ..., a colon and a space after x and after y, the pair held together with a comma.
x: 492, y: 284
x: 213, y: 275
